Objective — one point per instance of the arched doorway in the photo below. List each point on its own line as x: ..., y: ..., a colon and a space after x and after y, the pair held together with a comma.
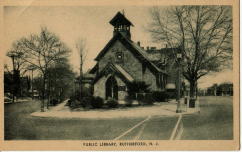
x: 111, y: 88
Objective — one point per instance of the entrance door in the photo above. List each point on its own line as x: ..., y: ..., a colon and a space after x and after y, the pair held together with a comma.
x: 111, y: 88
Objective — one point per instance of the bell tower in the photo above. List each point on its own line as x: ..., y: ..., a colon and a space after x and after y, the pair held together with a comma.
x: 121, y: 25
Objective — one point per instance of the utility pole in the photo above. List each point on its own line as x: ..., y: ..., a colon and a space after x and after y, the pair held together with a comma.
x: 179, y: 57
x: 13, y: 78
x: 32, y: 89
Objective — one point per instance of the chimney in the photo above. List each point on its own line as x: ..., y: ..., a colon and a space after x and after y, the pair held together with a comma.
x: 138, y: 43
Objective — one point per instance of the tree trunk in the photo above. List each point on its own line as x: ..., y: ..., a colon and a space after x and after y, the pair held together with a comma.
x: 32, y: 82
x: 81, y: 79
x: 43, y: 98
x: 192, y: 93
x: 48, y: 100
x: 13, y: 83
x: 192, y: 88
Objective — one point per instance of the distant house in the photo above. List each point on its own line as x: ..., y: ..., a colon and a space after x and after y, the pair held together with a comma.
x: 223, y: 89
x: 16, y: 83
x: 122, y: 61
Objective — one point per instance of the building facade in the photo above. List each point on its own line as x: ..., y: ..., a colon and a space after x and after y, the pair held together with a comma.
x: 123, y: 61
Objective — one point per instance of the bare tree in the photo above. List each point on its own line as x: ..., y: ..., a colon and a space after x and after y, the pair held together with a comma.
x: 203, y: 34
x: 41, y: 52
x: 82, y: 52
x: 61, y: 80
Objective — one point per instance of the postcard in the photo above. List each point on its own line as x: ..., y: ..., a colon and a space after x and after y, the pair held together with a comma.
x: 119, y: 75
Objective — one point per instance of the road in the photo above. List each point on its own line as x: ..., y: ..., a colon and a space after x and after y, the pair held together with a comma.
x: 214, y: 122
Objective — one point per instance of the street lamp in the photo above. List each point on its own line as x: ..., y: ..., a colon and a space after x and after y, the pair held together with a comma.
x: 179, y: 57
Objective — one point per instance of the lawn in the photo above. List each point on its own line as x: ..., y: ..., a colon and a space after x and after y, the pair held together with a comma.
x: 20, y: 125
x: 215, y: 121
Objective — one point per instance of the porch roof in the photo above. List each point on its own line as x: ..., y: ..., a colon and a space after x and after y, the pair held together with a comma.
x: 124, y: 73
x: 119, y: 71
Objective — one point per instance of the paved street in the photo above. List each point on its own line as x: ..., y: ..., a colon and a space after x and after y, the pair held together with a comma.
x: 213, y: 122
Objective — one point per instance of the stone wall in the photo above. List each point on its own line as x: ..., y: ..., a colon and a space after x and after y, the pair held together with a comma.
x: 99, y: 87
x: 150, y: 79
x: 130, y: 63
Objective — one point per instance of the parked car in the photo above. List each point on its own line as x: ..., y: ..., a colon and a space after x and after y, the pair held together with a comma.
x: 7, y: 99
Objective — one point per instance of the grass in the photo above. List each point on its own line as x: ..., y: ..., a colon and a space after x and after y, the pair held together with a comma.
x: 215, y: 122
x: 20, y: 125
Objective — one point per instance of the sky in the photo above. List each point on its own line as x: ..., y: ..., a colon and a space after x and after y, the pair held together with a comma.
x: 91, y: 23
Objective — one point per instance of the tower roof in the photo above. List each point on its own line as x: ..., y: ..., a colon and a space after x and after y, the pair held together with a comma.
x: 119, y: 19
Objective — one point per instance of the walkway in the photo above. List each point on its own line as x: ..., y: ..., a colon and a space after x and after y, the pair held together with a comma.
x: 158, y: 109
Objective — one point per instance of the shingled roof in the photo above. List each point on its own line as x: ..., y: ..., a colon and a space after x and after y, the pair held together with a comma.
x: 118, y: 70
x: 119, y: 19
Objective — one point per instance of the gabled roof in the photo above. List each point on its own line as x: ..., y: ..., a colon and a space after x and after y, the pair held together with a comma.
x: 134, y: 48
x: 119, y: 71
x: 124, y: 73
x: 120, y: 19
x: 94, y: 69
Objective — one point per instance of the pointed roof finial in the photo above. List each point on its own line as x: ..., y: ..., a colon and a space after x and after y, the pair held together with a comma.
x: 123, y: 12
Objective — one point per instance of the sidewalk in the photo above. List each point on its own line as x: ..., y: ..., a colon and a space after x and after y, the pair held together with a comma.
x: 184, y: 107
x: 158, y: 109
x: 60, y: 107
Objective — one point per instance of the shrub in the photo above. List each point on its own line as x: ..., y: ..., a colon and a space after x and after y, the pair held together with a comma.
x: 75, y: 104
x: 128, y: 101
x: 171, y: 94
x: 137, y: 87
x: 112, y: 103
x: 74, y: 101
x: 86, y: 101
x: 54, y: 102
x: 97, y: 102
x: 86, y: 92
x: 146, y: 98
x: 160, y: 96
x: 75, y: 96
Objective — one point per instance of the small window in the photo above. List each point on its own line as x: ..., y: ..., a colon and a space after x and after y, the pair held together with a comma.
x: 119, y: 57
